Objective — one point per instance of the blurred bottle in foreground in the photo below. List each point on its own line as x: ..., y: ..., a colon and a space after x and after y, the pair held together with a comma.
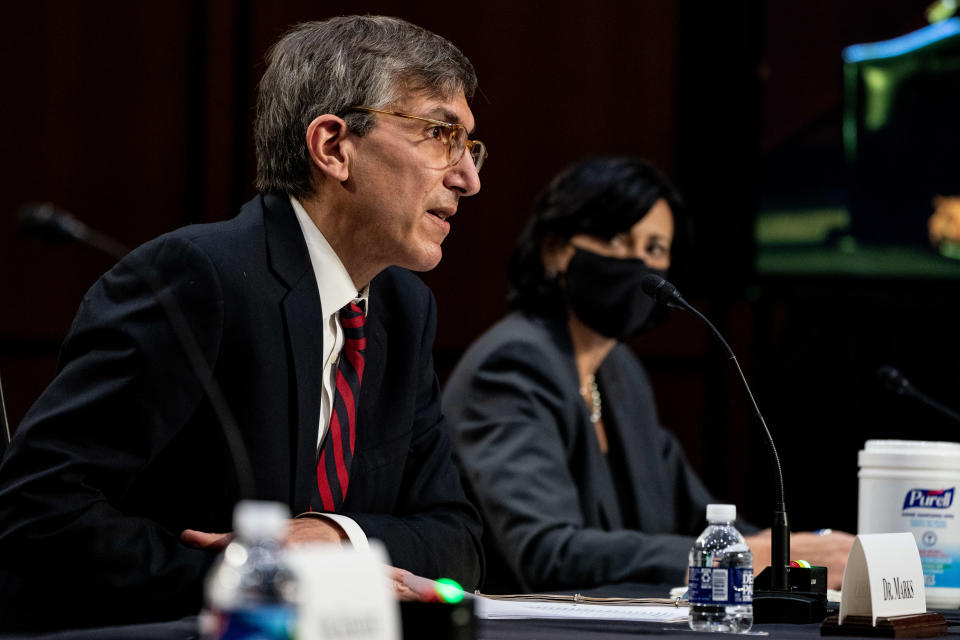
x: 251, y: 590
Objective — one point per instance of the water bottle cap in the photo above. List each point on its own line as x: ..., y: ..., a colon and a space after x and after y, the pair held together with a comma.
x: 255, y: 519
x: 721, y: 512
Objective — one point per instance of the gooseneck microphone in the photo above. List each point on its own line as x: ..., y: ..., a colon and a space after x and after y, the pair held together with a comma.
x: 47, y: 221
x: 894, y: 381
x: 665, y: 293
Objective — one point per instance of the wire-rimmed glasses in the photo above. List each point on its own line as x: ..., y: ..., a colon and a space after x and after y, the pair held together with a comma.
x: 453, y: 135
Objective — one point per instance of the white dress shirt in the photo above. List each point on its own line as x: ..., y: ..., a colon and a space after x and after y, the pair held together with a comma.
x: 336, y: 291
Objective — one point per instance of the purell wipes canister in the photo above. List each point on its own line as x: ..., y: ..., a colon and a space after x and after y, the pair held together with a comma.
x: 910, y: 485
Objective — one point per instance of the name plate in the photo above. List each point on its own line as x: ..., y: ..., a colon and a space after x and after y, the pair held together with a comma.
x: 883, y: 577
x: 345, y: 593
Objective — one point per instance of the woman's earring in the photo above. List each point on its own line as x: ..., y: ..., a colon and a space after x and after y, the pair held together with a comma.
x: 551, y: 273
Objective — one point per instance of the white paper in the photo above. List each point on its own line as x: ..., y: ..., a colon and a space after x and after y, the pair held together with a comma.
x: 883, y: 577
x: 502, y: 609
x: 345, y: 593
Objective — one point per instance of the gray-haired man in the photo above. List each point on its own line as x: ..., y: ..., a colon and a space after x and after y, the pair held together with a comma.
x: 119, y: 475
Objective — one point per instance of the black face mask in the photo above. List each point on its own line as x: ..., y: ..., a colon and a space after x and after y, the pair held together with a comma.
x: 605, y: 293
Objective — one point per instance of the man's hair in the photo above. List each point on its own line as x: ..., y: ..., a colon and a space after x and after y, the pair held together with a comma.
x: 597, y: 196
x: 330, y: 66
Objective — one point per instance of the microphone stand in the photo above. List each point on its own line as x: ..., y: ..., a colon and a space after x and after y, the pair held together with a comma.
x: 47, y: 221
x: 778, y: 596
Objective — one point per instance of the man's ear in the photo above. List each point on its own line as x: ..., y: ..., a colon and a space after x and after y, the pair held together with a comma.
x: 325, y: 135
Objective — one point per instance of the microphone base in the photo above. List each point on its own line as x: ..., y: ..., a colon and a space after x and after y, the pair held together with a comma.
x: 792, y: 607
x: 803, y: 602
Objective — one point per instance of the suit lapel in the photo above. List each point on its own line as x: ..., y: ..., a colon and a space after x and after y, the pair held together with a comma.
x: 608, y: 509
x: 303, y: 314
x: 637, y: 453
x: 606, y: 490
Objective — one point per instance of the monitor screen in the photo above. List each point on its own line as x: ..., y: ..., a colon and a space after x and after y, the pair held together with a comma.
x: 886, y: 201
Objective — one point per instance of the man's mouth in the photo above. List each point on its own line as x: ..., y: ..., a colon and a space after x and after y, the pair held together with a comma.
x: 443, y: 214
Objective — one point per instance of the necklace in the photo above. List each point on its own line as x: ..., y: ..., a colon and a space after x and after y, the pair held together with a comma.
x: 591, y: 393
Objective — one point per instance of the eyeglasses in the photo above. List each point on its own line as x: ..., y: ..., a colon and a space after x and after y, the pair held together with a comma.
x: 454, y: 137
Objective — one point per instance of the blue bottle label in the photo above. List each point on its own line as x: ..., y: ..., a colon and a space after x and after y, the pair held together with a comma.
x: 720, y: 586
x: 267, y: 622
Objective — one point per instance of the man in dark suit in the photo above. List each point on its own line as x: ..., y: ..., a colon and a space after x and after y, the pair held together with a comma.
x: 118, y: 485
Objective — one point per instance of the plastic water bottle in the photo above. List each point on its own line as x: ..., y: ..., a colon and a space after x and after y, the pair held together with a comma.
x: 251, y: 591
x: 721, y: 575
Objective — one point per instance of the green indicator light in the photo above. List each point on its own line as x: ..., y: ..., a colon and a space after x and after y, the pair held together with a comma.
x: 449, y: 591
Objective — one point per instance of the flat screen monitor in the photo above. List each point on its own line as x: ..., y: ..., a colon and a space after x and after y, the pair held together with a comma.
x: 889, y: 205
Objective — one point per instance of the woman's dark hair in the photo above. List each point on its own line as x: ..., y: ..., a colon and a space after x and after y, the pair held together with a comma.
x: 597, y: 196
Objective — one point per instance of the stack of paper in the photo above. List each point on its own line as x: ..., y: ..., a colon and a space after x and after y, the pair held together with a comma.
x: 579, y: 607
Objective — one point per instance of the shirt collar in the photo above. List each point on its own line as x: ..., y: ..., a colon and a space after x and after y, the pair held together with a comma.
x: 334, y: 283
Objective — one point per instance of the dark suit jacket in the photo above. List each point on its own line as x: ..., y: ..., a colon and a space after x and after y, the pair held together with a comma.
x: 122, y: 451
x: 531, y: 460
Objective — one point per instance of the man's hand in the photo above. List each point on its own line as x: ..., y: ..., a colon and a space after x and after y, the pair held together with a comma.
x: 308, y: 530
x: 410, y: 587
x: 299, y: 531
x: 202, y: 540
x: 828, y: 551
x: 401, y: 591
x: 406, y: 586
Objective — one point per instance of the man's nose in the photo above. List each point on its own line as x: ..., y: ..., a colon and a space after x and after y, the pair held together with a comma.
x: 463, y: 176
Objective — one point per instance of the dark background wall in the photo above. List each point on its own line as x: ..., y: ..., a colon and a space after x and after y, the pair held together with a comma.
x: 136, y: 117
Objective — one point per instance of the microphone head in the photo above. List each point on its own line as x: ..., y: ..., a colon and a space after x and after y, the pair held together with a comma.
x: 893, y: 380
x: 45, y: 220
x: 661, y: 291
x: 651, y: 283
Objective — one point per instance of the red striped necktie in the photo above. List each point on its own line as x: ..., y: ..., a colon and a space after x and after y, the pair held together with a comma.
x: 336, y: 451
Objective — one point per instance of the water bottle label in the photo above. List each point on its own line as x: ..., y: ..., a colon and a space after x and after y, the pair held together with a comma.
x: 720, y: 586
x: 263, y: 623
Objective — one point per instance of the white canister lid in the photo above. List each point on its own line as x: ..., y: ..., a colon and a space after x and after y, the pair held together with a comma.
x: 910, y: 454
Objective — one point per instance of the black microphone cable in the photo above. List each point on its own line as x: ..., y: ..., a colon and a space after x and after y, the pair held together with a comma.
x: 47, y: 221
x: 4, y: 423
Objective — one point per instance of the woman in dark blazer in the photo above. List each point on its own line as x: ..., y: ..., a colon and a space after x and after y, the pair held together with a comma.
x: 555, y: 427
